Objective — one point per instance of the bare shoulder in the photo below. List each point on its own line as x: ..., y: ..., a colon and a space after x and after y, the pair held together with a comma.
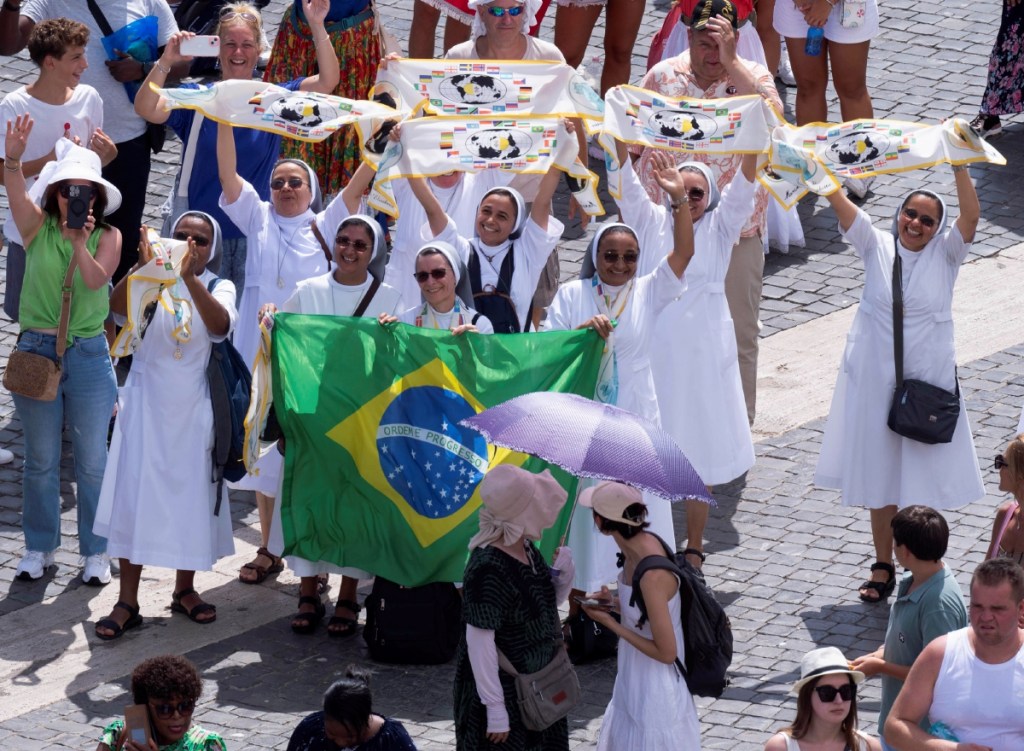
x: 776, y: 743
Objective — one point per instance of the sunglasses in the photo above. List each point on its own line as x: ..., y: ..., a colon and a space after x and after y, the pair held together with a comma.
x: 926, y: 221
x: 201, y: 242
x: 422, y: 276
x: 229, y: 15
x: 628, y: 258
x: 828, y: 694
x: 499, y: 12
x: 166, y: 711
x: 1000, y: 462
x: 696, y: 194
x: 293, y: 182
x: 361, y: 246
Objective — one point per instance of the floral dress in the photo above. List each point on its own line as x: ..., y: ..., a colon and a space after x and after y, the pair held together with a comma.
x: 1004, y: 92
x: 195, y: 739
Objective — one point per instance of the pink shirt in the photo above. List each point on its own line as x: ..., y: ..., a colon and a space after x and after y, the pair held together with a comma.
x: 673, y: 77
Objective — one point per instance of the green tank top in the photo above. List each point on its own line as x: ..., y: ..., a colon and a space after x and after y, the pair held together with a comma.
x: 46, y: 263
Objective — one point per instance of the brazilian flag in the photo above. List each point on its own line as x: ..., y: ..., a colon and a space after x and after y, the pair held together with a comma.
x: 378, y: 472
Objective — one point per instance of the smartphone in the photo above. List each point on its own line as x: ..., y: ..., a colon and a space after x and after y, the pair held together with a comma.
x: 591, y: 602
x: 136, y: 724
x: 201, y: 46
x: 79, y: 197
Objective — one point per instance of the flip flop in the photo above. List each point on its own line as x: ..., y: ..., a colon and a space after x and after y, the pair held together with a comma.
x: 134, y: 620
x: 194, y: 613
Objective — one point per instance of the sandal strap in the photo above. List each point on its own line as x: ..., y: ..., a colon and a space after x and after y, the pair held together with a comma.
x: 267, y: 554
x: 699, y: 553
x: 132, y: 611
x: 179, y: 596
x: 887, y: 567
x: 349, y: 605
x: 310, y: 600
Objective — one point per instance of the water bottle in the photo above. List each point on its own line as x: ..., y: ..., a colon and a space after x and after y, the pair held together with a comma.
x: 815, y: 35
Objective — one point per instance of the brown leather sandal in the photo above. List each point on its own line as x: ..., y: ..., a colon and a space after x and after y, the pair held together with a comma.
x: 262, y: 572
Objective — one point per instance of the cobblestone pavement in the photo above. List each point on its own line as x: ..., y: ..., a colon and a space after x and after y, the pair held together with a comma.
x: 785, y: 555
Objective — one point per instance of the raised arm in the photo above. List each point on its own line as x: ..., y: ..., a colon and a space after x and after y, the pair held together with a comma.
x: 670, y: 179
x: 215, y: 316
x: 436, y: 217
x: 329, y: 72
x: 352, y: 194
x: 541, y: 210
x: 970, y: 207
x: 28, y: 217
x: 227, y: 164
x: 14, y: 29
x: 846, y: 210
x: 149, y: 105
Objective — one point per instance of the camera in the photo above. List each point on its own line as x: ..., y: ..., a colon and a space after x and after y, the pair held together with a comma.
x: 79, y: 198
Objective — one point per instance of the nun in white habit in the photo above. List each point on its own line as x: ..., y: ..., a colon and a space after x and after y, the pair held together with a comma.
x: 445, y: 293
x: 696, y: 372
x: 622, y: 305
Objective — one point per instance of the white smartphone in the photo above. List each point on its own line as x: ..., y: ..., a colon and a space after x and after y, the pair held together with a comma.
x: 201, y: 46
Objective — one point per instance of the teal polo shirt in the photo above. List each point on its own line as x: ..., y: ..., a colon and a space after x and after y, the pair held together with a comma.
x: 930, y: 611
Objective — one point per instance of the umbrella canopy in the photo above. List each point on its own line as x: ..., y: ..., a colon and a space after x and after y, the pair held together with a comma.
x: 592, y: 439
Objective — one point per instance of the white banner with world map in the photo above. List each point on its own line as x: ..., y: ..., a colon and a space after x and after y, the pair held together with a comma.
x: 487, y: 88
x: 814, y: 158
x: 303, y: 115
x: 432, y: 146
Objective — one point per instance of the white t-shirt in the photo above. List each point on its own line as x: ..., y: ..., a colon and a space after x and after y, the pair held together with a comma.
x: 119, y: 113
x: 83, y: 112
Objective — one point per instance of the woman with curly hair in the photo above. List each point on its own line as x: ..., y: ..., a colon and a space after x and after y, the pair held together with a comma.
x: 169, y: 686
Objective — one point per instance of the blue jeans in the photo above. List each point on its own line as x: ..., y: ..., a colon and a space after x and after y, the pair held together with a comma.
x: 231, y: 265
x: 85, y: 399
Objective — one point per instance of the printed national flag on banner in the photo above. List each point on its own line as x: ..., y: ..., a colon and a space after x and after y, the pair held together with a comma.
x: 378, y: 473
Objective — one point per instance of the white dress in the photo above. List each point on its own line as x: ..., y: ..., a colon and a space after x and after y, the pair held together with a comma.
x: 323, y: 295
x: 448, y: 320
x: 574, y: 303
x: 460, y: 202
x: 651, y: 708
x: 696, y: 372
x: 156, y: 504
x: 282, y: 251
x: 860, y: 456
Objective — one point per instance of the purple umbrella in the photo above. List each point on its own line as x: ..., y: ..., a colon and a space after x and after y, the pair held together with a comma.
x: 592, y: 439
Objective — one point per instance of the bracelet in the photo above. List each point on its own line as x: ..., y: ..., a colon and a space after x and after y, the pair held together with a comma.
x: 960, y: 168
x: 12, y: 8
x: 324, y: 38
x: 162, y: 69
x: 9, y: 168
x: 676, y: 205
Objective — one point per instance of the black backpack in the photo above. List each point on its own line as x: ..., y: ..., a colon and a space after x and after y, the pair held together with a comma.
x: 707, y: 632
x: 230, y: 383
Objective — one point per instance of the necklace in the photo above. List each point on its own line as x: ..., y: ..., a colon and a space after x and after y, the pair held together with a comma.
x: 281, y: 250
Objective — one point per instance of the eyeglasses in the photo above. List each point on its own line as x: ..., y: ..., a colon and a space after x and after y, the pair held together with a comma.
x: 166, y: 711
x: 696, y: 194
x: 926, y: 221
x: 360, y: 246
x: 422, y: 276
x: 499, y: 12
x: 230, y: 15
x: 628, y: 258
x: 828, y: 694
x: 200, y: 242
x: 1000, y: 462
x: 293, y: 182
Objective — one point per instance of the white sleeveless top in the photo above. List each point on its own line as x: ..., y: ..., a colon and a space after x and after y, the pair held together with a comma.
x: 793, y: 745
x: 979, y: 702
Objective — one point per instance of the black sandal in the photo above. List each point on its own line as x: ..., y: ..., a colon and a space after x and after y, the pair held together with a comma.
x: 699, y: 553
x: 134, y: 620
x: 194, y: 613
x: 882, y: 589
x: 348, y: 626
x: 306, y: 623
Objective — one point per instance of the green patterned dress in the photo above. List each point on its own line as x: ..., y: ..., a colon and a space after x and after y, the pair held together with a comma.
x: 195, y: 739
x: 517, y: 602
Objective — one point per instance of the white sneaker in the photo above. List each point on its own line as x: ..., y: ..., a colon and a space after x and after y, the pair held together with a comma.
x: 97, y: 570
x: 6, y: 457
x: 785, y: 73
x: 33, y: 565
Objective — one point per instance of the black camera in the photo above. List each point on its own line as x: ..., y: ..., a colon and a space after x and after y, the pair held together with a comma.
x: 79, y: 198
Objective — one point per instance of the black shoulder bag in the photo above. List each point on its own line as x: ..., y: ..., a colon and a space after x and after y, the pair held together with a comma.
x: 920, y: 411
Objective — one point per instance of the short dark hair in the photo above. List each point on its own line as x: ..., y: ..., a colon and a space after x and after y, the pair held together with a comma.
x: 348, y: 701
x: 99, y: 206
x: 995, y: 571
x: 53, y: 36
x: 166, y: 677
x: 636, y: 512
x: 922, y: 530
